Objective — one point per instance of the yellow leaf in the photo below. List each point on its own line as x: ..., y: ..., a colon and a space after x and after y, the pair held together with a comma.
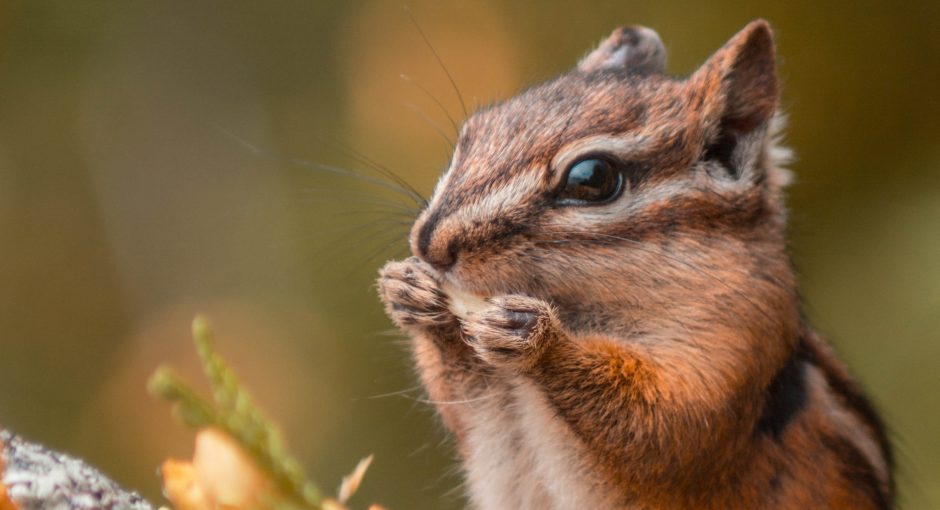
x: 226, y: 473
x: 221, y: 475
x: 180, y: 486
x: 350, y: 483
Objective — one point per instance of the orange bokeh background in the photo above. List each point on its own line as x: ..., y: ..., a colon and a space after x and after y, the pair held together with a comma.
x: 147, y: 174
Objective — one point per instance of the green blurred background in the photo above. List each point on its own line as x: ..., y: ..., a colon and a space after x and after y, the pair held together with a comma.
x: 145, y: 176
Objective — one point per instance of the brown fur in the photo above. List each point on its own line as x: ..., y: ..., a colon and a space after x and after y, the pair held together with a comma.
x: 662, y: 330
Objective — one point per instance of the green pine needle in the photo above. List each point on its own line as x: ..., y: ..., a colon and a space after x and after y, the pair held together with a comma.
x: 234, y: 412
x: 190, y: 407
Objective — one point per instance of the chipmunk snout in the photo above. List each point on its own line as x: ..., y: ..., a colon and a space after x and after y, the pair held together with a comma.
x: 435, y: 243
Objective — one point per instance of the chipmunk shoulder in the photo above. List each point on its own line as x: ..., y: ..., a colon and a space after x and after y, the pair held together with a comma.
x: 602, y: 304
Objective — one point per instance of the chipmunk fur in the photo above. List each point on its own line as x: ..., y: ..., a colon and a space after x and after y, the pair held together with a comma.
x: 643, y: 350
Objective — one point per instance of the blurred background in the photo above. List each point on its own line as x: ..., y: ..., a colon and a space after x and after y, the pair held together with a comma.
x: 152, y: 167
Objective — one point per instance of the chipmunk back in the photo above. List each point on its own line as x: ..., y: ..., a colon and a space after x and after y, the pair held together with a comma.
x: 602, y: 305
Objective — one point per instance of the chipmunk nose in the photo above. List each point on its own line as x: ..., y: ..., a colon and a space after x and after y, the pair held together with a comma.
x: 435, y: 243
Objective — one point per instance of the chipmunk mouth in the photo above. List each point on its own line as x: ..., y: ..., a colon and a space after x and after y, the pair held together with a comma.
x: 462, y: 303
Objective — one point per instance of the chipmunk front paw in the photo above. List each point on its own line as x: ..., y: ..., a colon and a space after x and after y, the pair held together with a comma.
x: 512, y: 331
x: 412, y: 295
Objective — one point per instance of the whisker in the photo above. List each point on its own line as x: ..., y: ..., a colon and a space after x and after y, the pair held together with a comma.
x: 436, y: 101
x: 385, y: 240
x: 440, y: 62
x: 358, y: 198
x: 383, y: 248
x: 390, y: 213
x: 359, y: 156
x: 270, y: 156
x: 349, y: 173
x: 378, y: 213
x: 377, y: 226
x: 355, y: 238
x: 434, y: 125
x: 394, y: 393
x: 455, y: 402
x: 420, y: 449
x: 363, y: 235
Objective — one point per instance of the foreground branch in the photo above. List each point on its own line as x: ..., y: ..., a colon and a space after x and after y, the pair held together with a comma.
x: 36, y: 478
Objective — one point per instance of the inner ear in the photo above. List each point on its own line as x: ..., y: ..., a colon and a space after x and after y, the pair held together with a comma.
x: 721, y: 151
x: 737, y: 93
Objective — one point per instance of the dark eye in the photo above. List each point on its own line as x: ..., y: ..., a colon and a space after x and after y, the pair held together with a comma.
x: 591, y: 180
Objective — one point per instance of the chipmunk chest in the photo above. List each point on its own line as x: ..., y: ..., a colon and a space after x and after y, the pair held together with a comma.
x: 521, y: 455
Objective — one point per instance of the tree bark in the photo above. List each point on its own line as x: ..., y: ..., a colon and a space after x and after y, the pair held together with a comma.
x: 35, y: 478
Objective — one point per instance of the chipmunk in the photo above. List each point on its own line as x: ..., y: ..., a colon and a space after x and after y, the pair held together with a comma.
x: 602, y: 305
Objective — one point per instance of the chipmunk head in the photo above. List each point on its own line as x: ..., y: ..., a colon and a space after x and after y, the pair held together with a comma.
x: 615, y: 178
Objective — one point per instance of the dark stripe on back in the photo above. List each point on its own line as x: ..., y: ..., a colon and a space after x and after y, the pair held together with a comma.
x: 785, y: 398
x: 851, y: 396
x: 856, y: 469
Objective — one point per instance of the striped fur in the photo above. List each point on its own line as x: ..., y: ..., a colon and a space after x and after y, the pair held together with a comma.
x: 644, y: 353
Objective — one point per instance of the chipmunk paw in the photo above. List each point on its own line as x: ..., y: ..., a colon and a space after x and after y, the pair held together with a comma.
x: 412, y: 295
x: 512, y: 331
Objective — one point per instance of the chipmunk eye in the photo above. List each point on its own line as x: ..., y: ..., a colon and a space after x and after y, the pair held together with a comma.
x: 591, y: 180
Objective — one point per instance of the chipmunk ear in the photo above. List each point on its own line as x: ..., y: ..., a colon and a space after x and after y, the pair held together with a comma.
x: 736, y: 94
x: 635, y: 48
